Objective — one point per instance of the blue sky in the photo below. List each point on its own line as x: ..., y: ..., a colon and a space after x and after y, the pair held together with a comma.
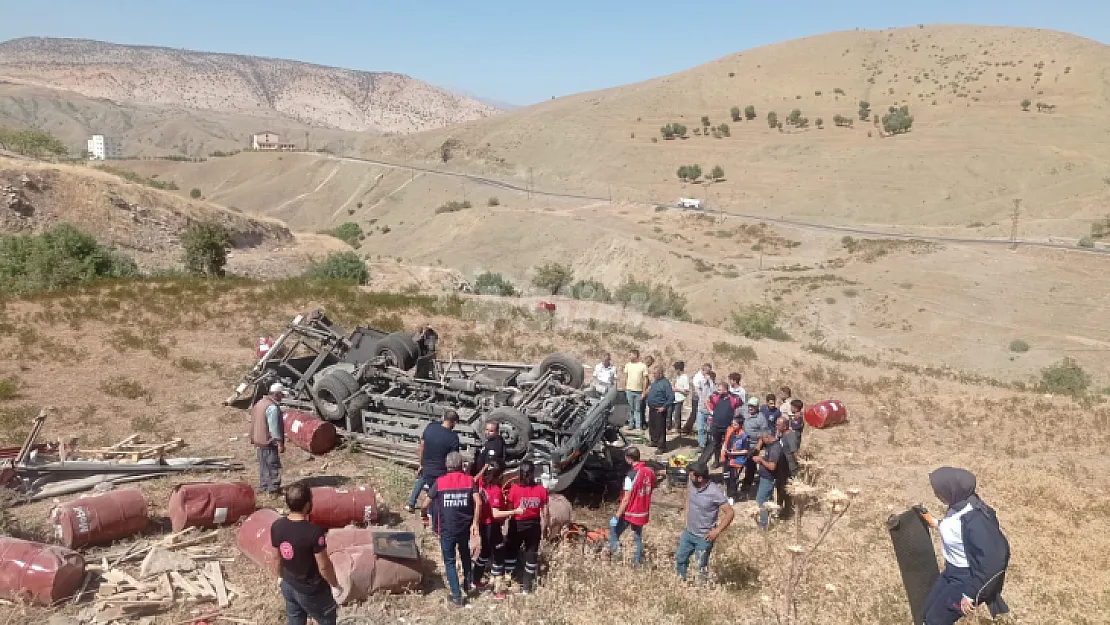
x: 519, y: 52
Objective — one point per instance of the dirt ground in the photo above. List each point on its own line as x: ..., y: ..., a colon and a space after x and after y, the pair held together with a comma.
x: 184, y: 343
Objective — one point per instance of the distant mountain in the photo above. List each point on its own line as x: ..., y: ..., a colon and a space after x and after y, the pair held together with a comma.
x: 496, y: 104
x: 228, y: 83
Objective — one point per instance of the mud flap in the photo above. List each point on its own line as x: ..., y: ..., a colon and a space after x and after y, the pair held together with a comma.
x: 917, y: 560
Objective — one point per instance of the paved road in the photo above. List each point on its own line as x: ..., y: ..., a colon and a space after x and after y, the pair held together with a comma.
x: 807, y: 225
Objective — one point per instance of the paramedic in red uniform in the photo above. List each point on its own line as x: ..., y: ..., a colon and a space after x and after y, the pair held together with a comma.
x: 635, y: 506
x: 455, y: 503
x: 528, y: 500
x: 490, y: 518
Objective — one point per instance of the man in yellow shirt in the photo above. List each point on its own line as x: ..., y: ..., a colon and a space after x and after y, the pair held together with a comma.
x: 635, y: 380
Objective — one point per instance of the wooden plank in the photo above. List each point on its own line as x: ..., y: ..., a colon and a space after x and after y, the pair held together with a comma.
x: 205, y: 587
x: 167, y: 586
x: 235, y: 590
x: 194, y: 541
x: 183, y: 584
x: 216, y: 576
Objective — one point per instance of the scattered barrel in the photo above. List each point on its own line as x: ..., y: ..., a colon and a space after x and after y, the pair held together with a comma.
x: 361, y: 573
x: 560, y: 513
x: 826, y: 413
x: 41, y: 574
x: 210, y: 504
x: 343, y: 537
x: 253, y: 540
x: 339, y: 507
x: 101, y: 519
x: 308, y: 432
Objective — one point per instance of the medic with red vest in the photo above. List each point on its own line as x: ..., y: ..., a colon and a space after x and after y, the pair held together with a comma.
x: 635, y: 505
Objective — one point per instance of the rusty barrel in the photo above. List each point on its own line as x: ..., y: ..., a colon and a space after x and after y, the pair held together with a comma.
x: 339, y: 507
x: 308, y: 432
x: 826, y: 413
x: 210, y: 504
x: 560, y: 513
x: 253, y: 540
x: 342, y: 537
x: 361, y: 573
x: 41, y: 574
x: 101, y: 519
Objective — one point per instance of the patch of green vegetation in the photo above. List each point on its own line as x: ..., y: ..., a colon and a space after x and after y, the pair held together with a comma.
x: 349, y: 232
x: 9, y: 388
x: 759, y: 321
x: 489, y: 283
x: 59, y: 257
x: 453, y: 206
x: 1019, y: 346
x: 1065, y: 378
x: 553, y: 277
x: 131, y: 176
x: 206, y: 245
x: 654, y: 300
x: 735, y: 353
x: 341, y: 267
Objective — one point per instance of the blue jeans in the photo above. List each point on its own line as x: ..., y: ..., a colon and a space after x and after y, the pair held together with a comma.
x: 765, y: 493
x: 703, y: 423
x: 416, y: 488
x: 448, y: 545
x: 299, y: 606
x: 615, y: 532
x: 691, y: 545
x: 635, y: 415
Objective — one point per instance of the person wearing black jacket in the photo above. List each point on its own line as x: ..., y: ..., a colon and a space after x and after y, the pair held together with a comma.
x: 492, y: 450
x: 976, y: 553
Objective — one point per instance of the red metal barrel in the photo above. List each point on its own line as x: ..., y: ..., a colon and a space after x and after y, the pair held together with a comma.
x: 311, y: 434
x: 210, y: 504
x: 826, y: 413
x: 100, y: 519
x: 342, y: 537
x: 253, y: 540
x: 560, y: 513
x: 339, y: 507
x: 361, y: 573
x: 39, y: 573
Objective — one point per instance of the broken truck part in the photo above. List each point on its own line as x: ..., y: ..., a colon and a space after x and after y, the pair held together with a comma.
x: 381, y: 389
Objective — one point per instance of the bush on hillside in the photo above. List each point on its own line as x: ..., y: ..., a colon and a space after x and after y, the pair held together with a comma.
x: 453, y: 206
x: 591, y: 290
x: 1100, y: 229
x: 195, y: 194
x: 493, y: 201
x: 493, y: 284
x: 749, y: 112
x: 724, y: 130
x: 1025, y: 104
x: 842, y: 121
x: 349, y: 232
x: 689, y: 173
x: 1019, y: 346
x: 820, y: 123
x: 898, y: 120
x: 758, y: 321
x: 864, y: 111
x: 772, y: 119
x: 718, y: 173
x: 553, y: 277
x: 32, y: 143
x: 59, y: 257
x: 705, y: 121
x: 339, y: 267
x: 1086, y: 242
x: 206, y: 244
x: 1065, y: 378
x: 654, y: 300
x: 735, y: 113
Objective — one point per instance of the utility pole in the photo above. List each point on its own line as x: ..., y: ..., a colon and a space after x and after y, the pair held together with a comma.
x: 531, y: 184
x: 610, y: 194
x: 1015, y: 216
x: 464, y: 189
x: 307, y: 145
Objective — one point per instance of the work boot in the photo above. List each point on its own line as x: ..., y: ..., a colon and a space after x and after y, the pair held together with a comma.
x: 498, y: 591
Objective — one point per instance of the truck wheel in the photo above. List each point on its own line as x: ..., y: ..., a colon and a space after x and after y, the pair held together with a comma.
x: 331, y: 389
x: 566, y: 369
x: 399, y: 350
x: 515, y: 428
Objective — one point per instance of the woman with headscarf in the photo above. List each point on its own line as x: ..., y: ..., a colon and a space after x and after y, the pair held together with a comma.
x: 976, y: 553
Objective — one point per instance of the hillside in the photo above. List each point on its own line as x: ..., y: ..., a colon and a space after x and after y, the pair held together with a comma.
x: 310, y: 94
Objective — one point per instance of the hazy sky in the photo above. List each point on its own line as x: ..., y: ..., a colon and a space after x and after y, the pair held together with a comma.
x: 520, y: 52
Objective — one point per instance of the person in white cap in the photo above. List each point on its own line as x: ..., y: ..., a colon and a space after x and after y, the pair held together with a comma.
x: 268, y: 437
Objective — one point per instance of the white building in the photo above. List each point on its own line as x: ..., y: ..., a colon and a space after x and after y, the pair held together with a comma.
x: 102, y: 148
x: 270, y: 141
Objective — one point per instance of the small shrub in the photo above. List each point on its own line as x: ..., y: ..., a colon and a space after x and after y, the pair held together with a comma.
x: 339, y: 267
x: 453, y: 206
x: 734, y: 112
x: 349, y: 232
x: 1019, y: 346
x: 724, y: 130
x: 9, y: 388
x: 749, y: 112
x: 124, y: 388
x: 1087, y: 242
x: 494, y: 284
x: 717, y: 174
x: 898, y: 120
x: 705, y: 121
x: 851, y: 293
x: 820, y: 123
x: 493, y: 201
x: 735, y: 353
x: 206, y: 245
x: 772, y: 119
x: 553, y: 277
x: 864, y: 111
x: 758, y: 321
x: 1025, y: 104
x: 591, y: 290
x: 654, y: 300
x: 195, y: 194
x: 1065, y: 378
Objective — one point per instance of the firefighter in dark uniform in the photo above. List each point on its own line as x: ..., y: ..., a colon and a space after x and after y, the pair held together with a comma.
x: 493, y: 449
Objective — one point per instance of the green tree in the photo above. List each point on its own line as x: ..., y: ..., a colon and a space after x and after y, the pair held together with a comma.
x: 195, y: 194
x: 667, y: 131
x: 32, y: 143
x: 864, y: 111
x: 724, y: 130
x: 717, y: 174
x: 735, y: 113
x: 705, y: 121
x: 1065, y: 378
x: 488, y: 283
x: 679, y: 130
x: 349, y: 232
x: 772, y: 119
x: 683, y: 173
x: 591, y: 290
x: 759, y: 321
x: 820, y: 123
x: 206, y: 244
x: 339, y: 267
x: 795, y: 117
x: 693, y: 172
x: 654, y: 300
x: 749, y: 112
x: 1025, y: 104
x: 898, y: 120
x: 59, y: 257
x: 553, y: 277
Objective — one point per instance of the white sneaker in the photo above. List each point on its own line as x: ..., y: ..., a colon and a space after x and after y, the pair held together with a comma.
x: 731, y: 501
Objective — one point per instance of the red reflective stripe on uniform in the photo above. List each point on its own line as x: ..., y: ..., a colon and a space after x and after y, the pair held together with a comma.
x: 639, y: 504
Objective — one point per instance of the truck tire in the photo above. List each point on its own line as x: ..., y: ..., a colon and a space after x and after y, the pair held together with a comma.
x: 566, y: 369
x: 399, y: 350
x: 515, y: 428
x: 333, y: 387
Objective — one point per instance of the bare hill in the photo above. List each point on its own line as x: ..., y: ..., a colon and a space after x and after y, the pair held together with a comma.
x: 312, y: 94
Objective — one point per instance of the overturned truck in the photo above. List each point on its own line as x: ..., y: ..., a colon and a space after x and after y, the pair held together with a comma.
x: 381, y: 389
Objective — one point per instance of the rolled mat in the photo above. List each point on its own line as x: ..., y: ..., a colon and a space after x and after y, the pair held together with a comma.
x: 917, y: 560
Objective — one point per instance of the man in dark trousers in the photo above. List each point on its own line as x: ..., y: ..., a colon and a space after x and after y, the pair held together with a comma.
x: 436, y: 442
x: 660, y: 396
x: 307, y: 576
x: 268, y: 437
x: 492, y: 450
x: 454, y: 507
x: 635, y: 506
x: 723, y: 406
